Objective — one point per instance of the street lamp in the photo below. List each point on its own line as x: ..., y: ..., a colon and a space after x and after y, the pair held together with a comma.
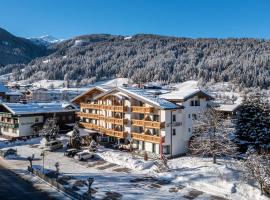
x: 90, y: 182
x: 43, y: 158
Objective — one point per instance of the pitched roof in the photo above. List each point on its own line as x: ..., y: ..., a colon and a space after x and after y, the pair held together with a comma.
x: 102, y: 88
x: 144, y: 96
x: 38, y: 108
x: 185, y: 91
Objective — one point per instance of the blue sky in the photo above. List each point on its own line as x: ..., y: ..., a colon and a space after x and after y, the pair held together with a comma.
x: 183, y: 18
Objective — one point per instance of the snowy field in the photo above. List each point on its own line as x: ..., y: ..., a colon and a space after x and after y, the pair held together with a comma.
x: 125, y: 176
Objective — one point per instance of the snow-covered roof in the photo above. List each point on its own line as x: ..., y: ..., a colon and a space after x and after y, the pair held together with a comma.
x: 100, y: 87
x: 14, y: 93
x: 184, y: 91
x: 83, y: 132
x: 228, y: 107
x: 144, y: 96
x: 38, y: 108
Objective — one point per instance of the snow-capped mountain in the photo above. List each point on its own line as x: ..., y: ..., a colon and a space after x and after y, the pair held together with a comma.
x: 45, y: 40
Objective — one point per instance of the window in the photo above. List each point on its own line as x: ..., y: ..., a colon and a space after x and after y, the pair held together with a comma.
x: 188, y: 115
x: 143, y: 147
x: 174, y: 131
x: 5, y: 129
x: 197, y: 103
x: 154, y: 148
x: 156, y: 118
x: 189, y: 129
x: 36, y: 119
x: 174, y: 118
x: 194, y: 116
x: 191, y: 103
x: 14, y: 130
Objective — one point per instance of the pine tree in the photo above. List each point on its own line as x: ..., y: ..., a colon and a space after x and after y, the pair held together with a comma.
x: 50, y: 128
x: 253, y: 122
x: 75, y: 138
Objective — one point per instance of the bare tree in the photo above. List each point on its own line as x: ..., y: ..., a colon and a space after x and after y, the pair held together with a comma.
x: 258, y: 167
x: 211, y: 135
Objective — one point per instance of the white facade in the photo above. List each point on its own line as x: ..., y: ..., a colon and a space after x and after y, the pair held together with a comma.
x: 175, y: 118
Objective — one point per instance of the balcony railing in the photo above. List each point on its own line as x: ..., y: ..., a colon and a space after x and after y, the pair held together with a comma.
x: 114, y: 108
x: 109, y: 132
x: 4, y: 114
x: 9, y: 124
x: 116, y: 120
x: 148, y: 124
x: 88, y: 115
x: 104, y: 107
x: 89, y: 125
x: 89, y: 106
x: 146, y: 138
x: 113, y: 133
x: 141, y: 109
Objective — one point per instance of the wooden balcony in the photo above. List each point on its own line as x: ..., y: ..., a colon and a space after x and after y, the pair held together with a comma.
x: 89, y: 106
x: 9, y: 124
x: 141, y: 109
x: 113, y: 133
x: 89, y: 125
x: 118, y: 121
x: 88, y: 115
x: 114, y: 108
x: 148, y: 124
x: 146, y: 138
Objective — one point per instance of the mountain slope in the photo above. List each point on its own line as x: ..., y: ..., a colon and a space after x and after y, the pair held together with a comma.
x: 155, y: 58
x: 46, y: 40
x: 18, y: 50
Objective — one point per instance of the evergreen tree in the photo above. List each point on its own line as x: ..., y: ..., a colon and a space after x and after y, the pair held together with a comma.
x: 50, y: 128
x: 253, y: 122
x: 75, y: 138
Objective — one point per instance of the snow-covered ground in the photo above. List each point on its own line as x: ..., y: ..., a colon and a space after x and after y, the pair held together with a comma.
x: 130, y: 177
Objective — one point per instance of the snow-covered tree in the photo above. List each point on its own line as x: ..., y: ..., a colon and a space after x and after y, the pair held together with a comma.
x: 253, y: 122
x: 50, y: 128
x: 212, y: 136
x: 258, y: 167
x: 76, y: 138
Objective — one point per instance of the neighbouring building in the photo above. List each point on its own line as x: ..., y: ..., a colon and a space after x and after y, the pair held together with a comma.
x: 160, y: 125
x: 19, y: 120
x: 49, y: 95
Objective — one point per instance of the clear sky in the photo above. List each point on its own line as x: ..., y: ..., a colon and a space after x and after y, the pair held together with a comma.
x: 184, y: 18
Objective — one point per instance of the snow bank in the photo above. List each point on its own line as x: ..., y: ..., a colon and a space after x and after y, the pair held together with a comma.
x: 224, y: 178
x: 126, y: 160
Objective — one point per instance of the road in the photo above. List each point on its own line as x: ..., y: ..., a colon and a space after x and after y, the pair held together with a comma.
x: 13, y: 187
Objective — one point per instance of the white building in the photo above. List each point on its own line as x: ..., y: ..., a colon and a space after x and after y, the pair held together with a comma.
x: 18, y: 120
x: 160, y: 125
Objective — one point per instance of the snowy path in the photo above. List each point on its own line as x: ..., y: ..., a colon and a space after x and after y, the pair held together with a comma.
x: 111, y: 180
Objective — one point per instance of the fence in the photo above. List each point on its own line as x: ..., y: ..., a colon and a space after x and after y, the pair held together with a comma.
x: 59, y: 186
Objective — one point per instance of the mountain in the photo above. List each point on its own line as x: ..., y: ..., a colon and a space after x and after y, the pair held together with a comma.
x: 144, y: 58
x: 18, y: 50
x: 46, y: 40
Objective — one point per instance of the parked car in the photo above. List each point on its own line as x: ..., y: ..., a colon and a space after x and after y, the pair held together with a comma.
x: 8, y: 152
x: 84, y: 155
x: 53, y: 145
x: 71, y: 152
